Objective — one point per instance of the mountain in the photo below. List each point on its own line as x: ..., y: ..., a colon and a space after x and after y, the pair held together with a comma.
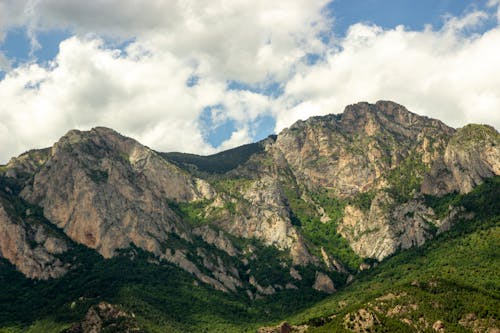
x: 327, y: 206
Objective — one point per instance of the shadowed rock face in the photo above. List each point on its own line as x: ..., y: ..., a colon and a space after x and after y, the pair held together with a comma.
x: 472, y: 154
x: 107, y: 192
x: 32, y: 247
x: 106, y: 317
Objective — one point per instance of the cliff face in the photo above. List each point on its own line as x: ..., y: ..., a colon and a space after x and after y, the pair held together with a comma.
x: 107, y: 192
x: 30, y: 245
x: 361, y: 174
x: 472, y: 155
x: 353, y: 152
x: 386, y: 227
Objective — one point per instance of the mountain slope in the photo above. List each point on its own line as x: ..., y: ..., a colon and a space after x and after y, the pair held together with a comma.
x: 452, y: 280
x: 305, y: 211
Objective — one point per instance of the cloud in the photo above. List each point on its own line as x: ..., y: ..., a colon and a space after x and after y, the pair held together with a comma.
x: 446, y: 74
x: 183, y: 57
x: 142, y: 91
x: 495, y: 3
x: 142, y: 95
x: 235, y: 40
x: 11, y: 15
x: 470, y: 21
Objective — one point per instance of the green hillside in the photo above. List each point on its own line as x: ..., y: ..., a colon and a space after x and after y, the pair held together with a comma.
x: 450, y: 277
x: 453, y: 279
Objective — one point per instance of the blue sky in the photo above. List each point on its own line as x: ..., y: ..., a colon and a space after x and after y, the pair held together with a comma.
x: 390, y: 13
x: 214, y: 77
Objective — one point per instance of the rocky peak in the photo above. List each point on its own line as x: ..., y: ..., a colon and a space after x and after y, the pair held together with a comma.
x: 354, y: 152
x: 361, y: 172
x: 107, y: 191
x: 387, y: 116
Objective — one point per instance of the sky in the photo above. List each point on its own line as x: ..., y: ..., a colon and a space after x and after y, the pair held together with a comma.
x: 202, y: 76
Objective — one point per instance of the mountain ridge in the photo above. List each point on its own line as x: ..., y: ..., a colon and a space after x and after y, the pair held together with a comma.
x: 307, y: 209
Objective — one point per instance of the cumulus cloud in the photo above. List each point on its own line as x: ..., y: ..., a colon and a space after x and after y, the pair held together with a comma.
x: 445, y: 74
x: 495, y: 4
x: 183, y: 56
x: 143, y: 91
x: 231, y: 39
x: 87, y: 84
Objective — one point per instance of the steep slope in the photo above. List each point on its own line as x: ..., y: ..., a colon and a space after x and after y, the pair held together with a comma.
x: 33, y: 247
x: 108, y: 192
x: 472, y: 155
x: 353, y: 152
x: 372, y: 160
x: 448, y: 285
x: 307, y: 209
x: 452, y: 279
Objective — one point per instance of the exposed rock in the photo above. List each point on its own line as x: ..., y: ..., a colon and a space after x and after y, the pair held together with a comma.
x: 105, y: 317
x: 32, y: 247
x: 348, y: 153
x: 283, y: 328
x: 326, y: 258
x: 454, y: 214
x: 179, y: 258
x: 267, y: 219
x: 438, y: 326
x: 361, y: 321
x: 391, y: 297
x: 323, y: 283
x: 26, y: 164
x: 219, y: 240
x: 472, y: 155
x: 401, y: 309
x: 228, y: 276
x: 479, y: 325
x: 107, y: 191
x: 387, y: 227
x: 295, y: 274
x: 269, y: 290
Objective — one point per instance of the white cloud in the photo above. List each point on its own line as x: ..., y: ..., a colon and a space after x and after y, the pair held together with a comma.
x: 495, y: 3
x: 444, y: 74
x: 230, y: 39
x: 469, y: 21
x: 144, y: 96
x: 142, y: 91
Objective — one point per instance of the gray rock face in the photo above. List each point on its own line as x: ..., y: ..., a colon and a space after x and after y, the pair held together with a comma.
x: 105, y: 317
x: 218, y: 239
x: 31, y: 247
x: 352, y: 152
x: 472, y: 155
x: 267, y: 219
x: 386, y: 227
x: 323, y: 283
x: 107, y: 192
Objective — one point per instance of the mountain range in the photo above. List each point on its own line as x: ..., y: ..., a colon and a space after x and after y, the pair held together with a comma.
x: 356, y: 222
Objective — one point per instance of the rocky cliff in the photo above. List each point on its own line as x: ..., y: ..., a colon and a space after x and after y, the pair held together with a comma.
x: 327, y: 193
